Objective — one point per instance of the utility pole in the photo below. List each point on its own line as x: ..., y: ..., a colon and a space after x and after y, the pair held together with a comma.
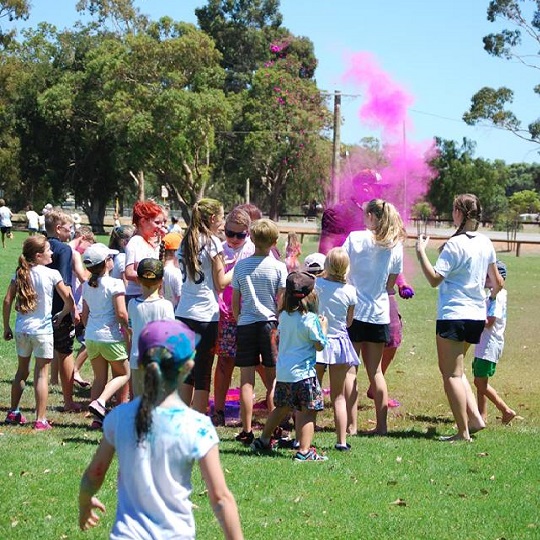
x: 336, y: 158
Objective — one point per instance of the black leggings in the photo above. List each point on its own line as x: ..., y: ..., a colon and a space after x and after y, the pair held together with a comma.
x: 201, y: 373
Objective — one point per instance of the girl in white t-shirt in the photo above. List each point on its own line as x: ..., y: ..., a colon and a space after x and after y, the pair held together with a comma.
x: 149, y: 219
x: 158, y: 438
x: 337, y: 300
x: 376, y: 256
x: 201, y: 261
x: 460, y: 273
x: 120, y: 236
x: 32, y: 290
x: 105, y: 317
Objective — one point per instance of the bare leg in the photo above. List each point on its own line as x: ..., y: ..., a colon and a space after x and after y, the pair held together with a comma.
x: 476, y: 422
x: 65, y: 367
x: 320, y: 370
x: 486, y: 391
x: 120, y: 377
x: 450, y: 355
x: 41, y: 387
x: 351, y: 397
x: 372, y: 355
x: 338, y: 374
x: 19, y: 381
x: 274, y: 419
x: 54, y: 372
x: 222, y: 381
x: 270, y: 383
x: 82, y: 356
x: 305, y: 428
x: 388, y: 355
x: 247, y: 381
x: 100, y: 367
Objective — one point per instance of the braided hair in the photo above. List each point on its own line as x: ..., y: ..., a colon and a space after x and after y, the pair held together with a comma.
x: 471, y: 210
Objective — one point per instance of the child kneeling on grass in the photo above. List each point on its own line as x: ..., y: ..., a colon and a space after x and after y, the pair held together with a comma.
x: 301, y: 333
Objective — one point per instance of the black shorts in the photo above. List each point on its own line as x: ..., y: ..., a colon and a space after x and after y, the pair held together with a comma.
x: 360, y: 331
x: 460, y: 330
x: 5, y: 230
x: 201, y: 373
x: 254, y: 341
x: 64, y: 335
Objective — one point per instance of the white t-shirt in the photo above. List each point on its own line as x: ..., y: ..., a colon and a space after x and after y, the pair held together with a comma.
x: 199, y: 300
x: 296, y: 352
x: 334, y: 301
x: 371, y: 265
x: 258, y: 278
x: 33, y: 219
x: 119, y: 266
x: 138, y: 249
x: 492, y: 339
x: 102, y: 324
x: 172, y: 283
x: 140, y: 312
x: 154, y: 477
x: 463, y: 263
x: 44, y: 281
x: 5, y: 216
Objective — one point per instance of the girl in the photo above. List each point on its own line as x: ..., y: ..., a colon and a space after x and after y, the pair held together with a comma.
x: 337, y: 300
x: 293, y: 250
x: 376, y: 258
x: 200, y: 259
x: 158, y: 437
x: 105, y: 318
x: 32, y: 288
x: 460, y: 273
x: 119, y: 239
x: 149, y: 219
x: 301, y: 333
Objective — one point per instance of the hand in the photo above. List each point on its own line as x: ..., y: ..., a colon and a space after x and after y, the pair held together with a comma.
x: 324, y: 323
x: 405, y: 291
x: 8, y: 334
x: 88, y: 518
x: 421, y: 243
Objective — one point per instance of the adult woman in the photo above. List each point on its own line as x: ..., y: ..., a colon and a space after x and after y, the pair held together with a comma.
x: 460, y: 273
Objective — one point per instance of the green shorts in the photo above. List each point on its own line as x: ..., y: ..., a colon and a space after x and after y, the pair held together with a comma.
x: 483, y: 368
x: 112, y: 352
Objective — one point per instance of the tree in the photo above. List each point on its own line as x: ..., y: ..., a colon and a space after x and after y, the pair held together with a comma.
x: 490, y: 103
x: 12, y: 10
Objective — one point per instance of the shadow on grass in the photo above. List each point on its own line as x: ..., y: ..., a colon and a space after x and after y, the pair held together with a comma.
x: 81, y: 440
x: 430, y: 419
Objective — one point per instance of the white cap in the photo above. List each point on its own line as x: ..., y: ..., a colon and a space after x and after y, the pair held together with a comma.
x: 47, y: 208
x: 97, y: 253
x: 314, y: 262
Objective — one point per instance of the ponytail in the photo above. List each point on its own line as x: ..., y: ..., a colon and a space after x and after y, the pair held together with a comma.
x: 389, y: 230
x: 471, y: 210
x: 26, y: 295
x: 152, y: 385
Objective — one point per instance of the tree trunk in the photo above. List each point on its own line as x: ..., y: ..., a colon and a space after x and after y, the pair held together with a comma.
x: 95, y: 210
x: 139, y: 182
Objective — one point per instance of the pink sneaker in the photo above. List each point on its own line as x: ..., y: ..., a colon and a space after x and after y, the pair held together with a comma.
x: 42, y: 425
x: 393, y: 403
x: 15, y: 418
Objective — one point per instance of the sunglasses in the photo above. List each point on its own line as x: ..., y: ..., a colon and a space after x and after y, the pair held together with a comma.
x: 232, y: 234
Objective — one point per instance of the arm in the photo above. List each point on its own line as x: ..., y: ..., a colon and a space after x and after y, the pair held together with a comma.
x: 319, y: 346
x: 434, y: 279
x: 119, y: 303
x: 69, y: 305
x: 85, y: 313
x: 496, y: 279
x: 6, y: 309
x: 130, y: 273
x: 279, y: 297
x: 236, y: 296
x: 221, y: 499
x: 350, y: 316
x: 91, y: 482
x: 490, y: 321
x: 78, y: 268
x: 220, y: 277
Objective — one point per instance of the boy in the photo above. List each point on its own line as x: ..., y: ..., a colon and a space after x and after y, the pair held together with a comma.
x: 488, y: 352
x: 58, y: 227
x: 258, y: 283
x: 143, y: 309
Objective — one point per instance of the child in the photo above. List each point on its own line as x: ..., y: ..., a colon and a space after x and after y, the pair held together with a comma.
x: 293, y: 250
x: 301, y: 333
x: 149, y: 219
x: 119, y: 239
x: 32, y: 219
x: 58, y: 226
x: 172, y: 275
x: 143, y: 309
x: 5, y: 222
x: 488, y: 352
x: 157, y: 438
x: 105, y: 317
x: 237, y: 246
x: 258, y: 284
x: 314, y: 264
x: 201, y: 261
x: 376, y: 259
x: 32, y: 290
x: 337, y: 300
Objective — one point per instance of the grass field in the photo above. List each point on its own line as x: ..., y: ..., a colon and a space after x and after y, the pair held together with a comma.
x: 407, y: 485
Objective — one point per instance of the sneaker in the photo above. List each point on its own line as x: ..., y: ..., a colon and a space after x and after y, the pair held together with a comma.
x: 393, y: 403
x: 245, y: 438
x: 15, y: 418
x: 258, y: 445
x: 97, y: 409
x: 291, y: 444
x: 310, y: 456
x: 342, y: 447
x: 218, y: 418
x: 42, y: 425
x: 96, y: 425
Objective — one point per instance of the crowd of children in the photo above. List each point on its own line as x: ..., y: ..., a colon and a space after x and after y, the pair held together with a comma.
x: 222, y: 286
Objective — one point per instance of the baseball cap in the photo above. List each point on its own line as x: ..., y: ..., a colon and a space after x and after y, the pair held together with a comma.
x: 150, y: 269
x: 501, y: 267
x: 299, y: 284
x: 314, y: 263
x: 172, y: 335
x: 97, y: 253
x: 172, y: 240
x: 47, y: 208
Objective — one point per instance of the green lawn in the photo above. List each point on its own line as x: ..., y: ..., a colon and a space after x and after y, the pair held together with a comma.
x: 404, y: 486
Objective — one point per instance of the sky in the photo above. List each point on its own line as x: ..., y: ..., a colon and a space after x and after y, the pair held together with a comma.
x: 431, y: 52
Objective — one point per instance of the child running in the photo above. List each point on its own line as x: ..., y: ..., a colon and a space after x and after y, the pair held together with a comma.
x: 488, y: 352
x: 301, y: 333
x: 337, y: 300
x: 158, y: 438
x: 32, y: 290
x: 105, y: 318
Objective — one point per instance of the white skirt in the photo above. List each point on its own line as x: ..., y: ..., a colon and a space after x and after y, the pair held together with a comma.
x: 339, y: 350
